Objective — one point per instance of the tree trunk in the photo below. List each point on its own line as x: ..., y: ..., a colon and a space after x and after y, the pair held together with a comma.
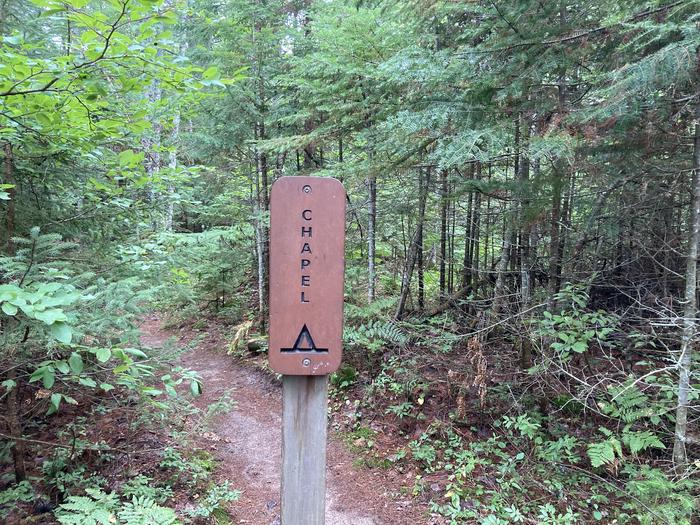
x: 371, y: 233
x: 10, y: 208
x: 451, y: 245
x: 476, y: 233
x: 259, y: 243
x: 554, y: 262
x: 151, y: 147
x: 264, y: 248
x: 468, y: 236
x: 15, y: 427
x: 443, y: 230
x: 412, y: 254
x: 690, y: 324
x: 172, y: 165
x: 523, y: 176
x: 14, y: 422
x: 501, y: 267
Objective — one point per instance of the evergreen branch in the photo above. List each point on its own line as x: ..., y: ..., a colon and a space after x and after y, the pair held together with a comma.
x: 576, y: 35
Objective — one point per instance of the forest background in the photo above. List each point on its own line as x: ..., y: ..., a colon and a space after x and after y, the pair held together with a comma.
x: 523, y: 224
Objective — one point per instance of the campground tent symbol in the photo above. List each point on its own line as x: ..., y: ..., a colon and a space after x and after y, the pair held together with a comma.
x: 305, y: 343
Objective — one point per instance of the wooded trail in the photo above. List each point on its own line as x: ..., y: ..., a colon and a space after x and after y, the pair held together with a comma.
x: 246, y: 443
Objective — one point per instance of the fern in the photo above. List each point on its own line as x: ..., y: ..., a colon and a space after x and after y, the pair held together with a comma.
x: 375, y: 335
x: 97, y: 508
x: 145, y: 511
x: 101, y: 508
x: 627, y: 403
x: 605, y: 452
x: 640, y: 441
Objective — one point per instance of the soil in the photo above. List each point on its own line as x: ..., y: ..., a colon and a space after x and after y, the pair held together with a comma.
x: 246, y: 443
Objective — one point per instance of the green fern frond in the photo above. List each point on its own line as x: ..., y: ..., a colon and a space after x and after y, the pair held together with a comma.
x: 97, y: 508
x: 604, y: 453
x: 640, y: 441
x: 145, y: 511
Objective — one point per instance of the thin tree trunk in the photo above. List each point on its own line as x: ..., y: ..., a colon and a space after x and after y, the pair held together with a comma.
x: 371, y: 233
x: 557, y: 187
x: 690, y: 323
x: 566, y: 226
x: 468, y: 234
x: 501, y: 267
x: 259, y: 242
x: 422, y: 197
x: 525, y: 224
x: 14, y: 422
x: 412, y: 254
x: 487, y: 224
x: 443, y: 230
x: 10, y: 208
x: 554, y: 263
x: 264, y: 206
x: 151, y: 146
x: 523, y: 177
x: 476, y: 232
x: 509, y: 235
x: 172, y: 165
x: 15, y: 427
x: 451, y: 244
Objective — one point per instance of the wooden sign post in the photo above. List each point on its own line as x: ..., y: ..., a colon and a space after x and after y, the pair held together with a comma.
x: 307, y: 263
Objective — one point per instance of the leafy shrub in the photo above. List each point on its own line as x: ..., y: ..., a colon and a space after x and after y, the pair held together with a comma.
x: 214, y: 499
x: 23, y: 492
x: 144, y: 487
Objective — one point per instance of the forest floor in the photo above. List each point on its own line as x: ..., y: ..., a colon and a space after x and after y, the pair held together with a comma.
x: 246, y: 441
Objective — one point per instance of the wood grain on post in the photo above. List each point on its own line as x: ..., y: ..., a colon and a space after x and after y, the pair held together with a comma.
x: 304, y: 423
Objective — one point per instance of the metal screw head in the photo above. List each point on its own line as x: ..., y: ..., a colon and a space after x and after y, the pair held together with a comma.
x: 307, y: 188
x: 306, y: 361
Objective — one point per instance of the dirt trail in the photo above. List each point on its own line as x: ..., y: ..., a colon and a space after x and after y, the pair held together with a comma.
x: 246, y: 441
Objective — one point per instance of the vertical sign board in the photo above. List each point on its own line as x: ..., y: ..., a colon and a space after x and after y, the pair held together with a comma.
x: 307, y: 240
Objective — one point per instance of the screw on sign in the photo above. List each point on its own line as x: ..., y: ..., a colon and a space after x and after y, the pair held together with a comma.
x: 307, y: 242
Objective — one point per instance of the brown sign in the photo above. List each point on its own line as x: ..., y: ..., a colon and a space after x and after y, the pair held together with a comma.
x: 307, y: 263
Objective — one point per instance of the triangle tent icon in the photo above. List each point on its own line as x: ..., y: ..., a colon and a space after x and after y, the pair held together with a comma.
x: 305, y: 343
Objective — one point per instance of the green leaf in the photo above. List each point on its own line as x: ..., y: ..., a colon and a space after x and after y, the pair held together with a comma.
x: 37, y: 374
x: 106, y: 387
x: 210, y: 73
x: 579, y: 347
x: 136, y: 352
x: 49, y: 377
x: 51, y: 316
x: 8, y: 384
x: 61, y: 332
x: 55, y: 403
x: 86, y: 381
x: 9, y: 309
x: 62, y: 366
x: 196, y: 388
x: 76, y: 363
x: 103, y: 354
x: 149, y: 391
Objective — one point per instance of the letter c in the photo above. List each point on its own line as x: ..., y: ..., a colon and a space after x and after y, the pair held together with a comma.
x: 303, y: 214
